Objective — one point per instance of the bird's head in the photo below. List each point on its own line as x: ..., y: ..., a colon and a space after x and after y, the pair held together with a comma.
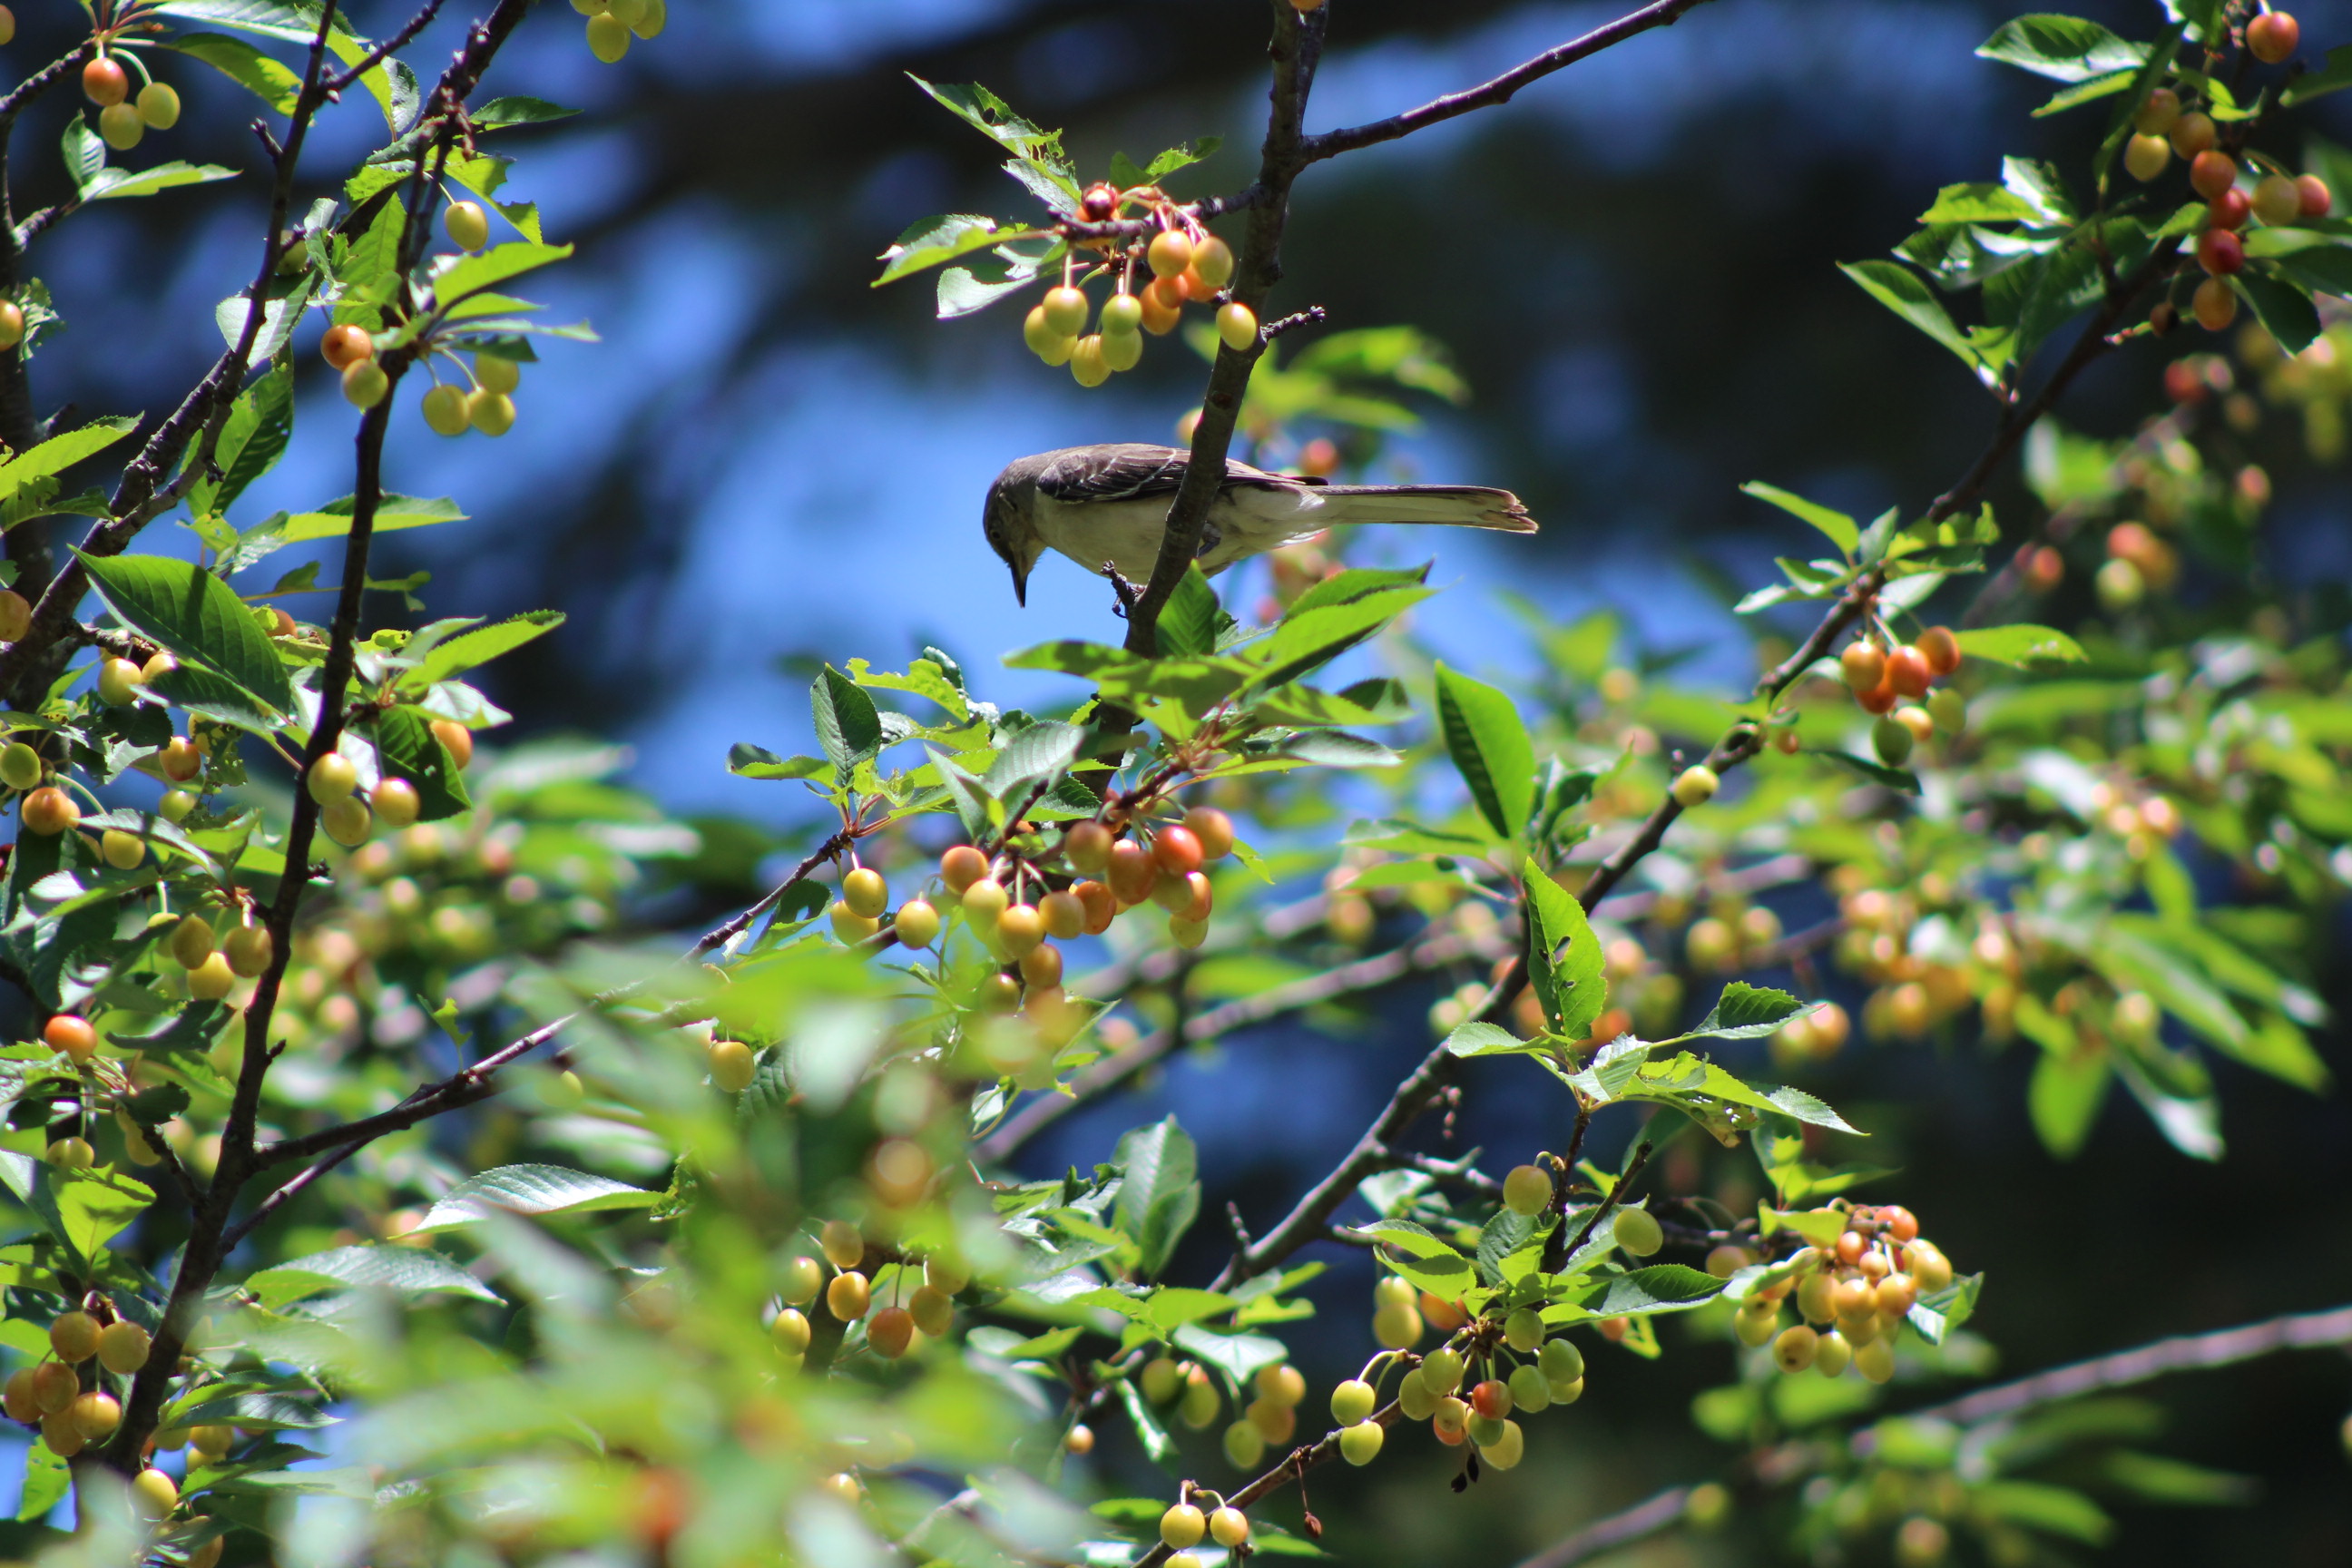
x: 1011, y: 527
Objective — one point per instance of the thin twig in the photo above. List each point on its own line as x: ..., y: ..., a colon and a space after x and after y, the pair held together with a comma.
x: 1643, y: 1519
x: 336, y: 86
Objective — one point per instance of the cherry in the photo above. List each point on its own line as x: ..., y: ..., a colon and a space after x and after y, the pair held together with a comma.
x: 847, y: 1296
x: 1229, y: 1527
x: 1848, y: 1247
x: 12, y: 332
x: 1917, y: 720
x: 608, y: 37
x: 1863, y: 666
x: 1892, y: 739
x: 1178, y: 851
x: 346, y: 346
x: 16, y: 610
x: 159, y: 105
x: 213, y: 979
x: 1530, y: 1394
x: 7, y: 26
x: 1189, y: 899
x: 1527, y: 1190
x: 1065, y: 310
x: 1122, y: 317
x: 20, y: 766
x: 1508, y: 1446
x: 1757, y: 1320
x: 117, y: 682
x: 933, y: 1310
x: 2157, y: 112
x: 961, y: 867
x: 1949, y: 710
x: 2215, y: 304
x: 2192, y: 133
x: 2271, y: 36
x: 842, y: 1243
x: 104, y: 81
x: 1874, y: 1361
x: 1163, y: 309
x: 789, y: 1332
x: 49, y: 811
x: 1079, y: 1439
x: 1088, y: 366
x: 119, y: 127
x: 1170, y: 252
x: 1359, y: 1443
x: 74, y: 1336
x: 491, y: 412
x: 1398, y: 1328
x: 2230, y: 209
x: 1100, y: 203
x: 2220, y: 252
x: 2212, y: 171
x: 365, y: 385
x: 456, y: 740
x: 2316, y: 197
x: 54, y: 1387
x: 72, y: 1032
x: 154, y: 1493
x: 468, y: 225
x: 1560, y: 1362
x: 917, y: 923
x: 1122, y: 351
x: 1281, y: 1383
x: 999, y: 994
x: 891, y: 1331
x: 1212, y: 262
x: 1038, y: 331
x: 179, y: 761
x: 1795, y: 1348
x: 733, y: 1065
x: 1817, y: 1298
x: 1897, y: 1295
x: 1132, y: 872
x: 1908, y: 672
x: 1244, y: 1446
x: 1492, y: 1399
x: 1832, y: 1352
x: 64, y: 1438
x: 1212, y: 829
x: 19, y: 1395
x: 1444, y: 1316
x: 864, y: 890
x: 1929, y: 1268
x: 1696, y: 786
x: 1353, y: 1401
x: 121, y: 850
x: 95, y: 1415
x: 1415, y: 1402
x: 2276, y: 201
x: 332, y: 777
x: 1019, y: 928
x: 1237, y: 326
x: 1940, y: 648
x: 1451, y: 1420
x: 1726, y: 1260
x: 1277, y: 1421
x: 1441, y: 1371
x: 1183, y: 1526
x: 803, y: 1277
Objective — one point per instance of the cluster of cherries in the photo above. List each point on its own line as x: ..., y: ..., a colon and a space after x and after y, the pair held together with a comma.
x: 613, y: 23
x: 1184, y: 262
x: 50, y: 1395
x: 891, y: 1327
x: 1186, y: 1387
x: 448, y: 409
x: 45, y: 807
x: 121, y: 118
x: 333, y: 782
x: 2166, y: 128
x: 1853, y: 1296
x: 1891, y: 682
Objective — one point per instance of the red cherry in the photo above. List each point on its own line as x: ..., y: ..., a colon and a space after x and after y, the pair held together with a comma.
x: 2230, y: 209
x: 2211, y: 172
x: 1178, y: 850
x: 2220, y: 252
x: 1132, y: 871
x: 2316, y: 197
x: 1908, y: 672
x: 2271, y: 36
x: 105, y: 83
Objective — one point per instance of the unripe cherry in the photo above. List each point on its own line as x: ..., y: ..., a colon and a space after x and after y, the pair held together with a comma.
x: 1122, y: 316
x: 365, y: 384
x: 1064, y: 914
x: 249, y: 949
x: 104, y: 81
x: 456, y: 740
x: 1441, y: 1371
x: 468, y: 225
x: 1065, y: 310
x: 865, y: 891
x: 847, y: 1296
x: 917, y: 923
x: 1874, y: 1361
x: 2316, y: 197
x: 1817, y: 1298
x: 733, y: 1065
x: 1100, y: 904
x: 332, y: 777
x: 803, y: 1279
x: 1398, y: 1328
x: 7, y: 26
x: 95, y: 1415
x: 1038, y: 331
x: 789, y: 1332
x: 1244, y: 1446
x: 1212, y: 262
x: 18, y: 1396
x: 1185, y: 933
x: 396, y: 802
x: 1509, y: 1446
x: 64, y: 1438
x: 1361, y: 1444
x: 1832, y: 1352
x: 2276, y: 201
x: 961, y: 867
x: 346, y: 346
x: 74, y: 1336
x: 1917, y: 720
x: 1088, y: 368
x: 1122, y: 351
x: 1862, y: 665
x: 2215, y: 305
x: 1019, y: 928
x: 2146, y: 157
x: 119, y: 127
x: 121, y: 850
x: 117, y: 682
x: 213, y: 979
x: 12, y: 332
x: 2192, y: 133
x: 1187, y: 898
x: 844, y: 1244
x: 49, y: 811
x: 932, y: 1311
x: 1795, y: 1348
x: 1637, y: 1232
x: 159, y: 105
x: 154, y: 1494
x: 445, y: 411
x: 1171, y: 253
x: 1492, y: 1399
x: 54, y: 1387
x: 1229, y: 1527
x: 1451, y: 1420
x: 2212, y: 171
x: 1353, y: 1401
x: 1696, y: 786
x: 491, y: 412
x: 2271, y: 36
x: 20, y: 766
x: 16, y: 610
x: 1183, y: 1526
x: 1163, y: 309
x: 2219, y: 252
x: 608, y: 39
x: 1726, y: 1260
x: 2157, y: 112
x: 1237, y: 326
x: 1908, y: 672
x: 1754, y: 1327
x: 1940, y: 648
x: 1041, y: 966
x: 1527, y: 1190
x: 180, y: 760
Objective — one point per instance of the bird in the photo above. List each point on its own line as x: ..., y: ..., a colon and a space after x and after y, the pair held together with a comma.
x: 1106, y: 508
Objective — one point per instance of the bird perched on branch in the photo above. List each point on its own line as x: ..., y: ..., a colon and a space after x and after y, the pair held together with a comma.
x: 1106, y: 508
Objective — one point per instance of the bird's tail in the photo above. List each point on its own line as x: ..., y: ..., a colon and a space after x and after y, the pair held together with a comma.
x: 1453, y: 506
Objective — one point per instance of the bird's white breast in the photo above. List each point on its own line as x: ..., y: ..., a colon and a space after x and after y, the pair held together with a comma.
x: 1246, y: 521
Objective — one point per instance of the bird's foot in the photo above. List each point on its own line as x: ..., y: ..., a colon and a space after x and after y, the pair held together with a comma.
x: 1128, y: 592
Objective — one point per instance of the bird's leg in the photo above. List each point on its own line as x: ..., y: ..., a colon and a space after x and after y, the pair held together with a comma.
x: 1128, y: 592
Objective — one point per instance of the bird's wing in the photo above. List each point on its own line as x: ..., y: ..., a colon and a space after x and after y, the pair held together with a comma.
x: 1133, y: 472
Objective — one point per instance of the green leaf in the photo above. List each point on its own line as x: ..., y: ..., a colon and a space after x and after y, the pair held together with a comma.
x: 95, y: 1205
x: 1159, y: 1196
x: 1838, y: 527
x: 2059, y: 1510
x: 533, y: 1190
x: 472, y: 274
x: 1490, y: 750
x: 1900, y: 289
x: 1316, y: 631
x: 259, y: 424
x: 48, y: 1478
x: 1902, y: 779
x: 471, y: 650
x: 2023, y: 645
x: 257, y: 73
x: 747, y: 761
x: 1427, y: 1261
x: 1571, y: 984
x: 1660, y: 1287
x: 500, y: 113
x: 2153, y: 1478
x: 198, y: 617
x: 58, y: 453
x: 404, y: 1270
x: 407, y: 748
x: 1476, y: 1039
x: 936, y: 240
x: 1746, y: 1012
x: 2063, y: 1098
x: 85, y: 154
x: 1157, y: 1445
x: 393, y: 512
x: 848, y: 726
x: 2063, y: 49
x: 1188, y: 622
x: 2337, y: 73
x: 1239, y: 1356
x: 1938, y: 1312
x: 110, y: 185
x: 1037, y: 753
x: 2285, y: 310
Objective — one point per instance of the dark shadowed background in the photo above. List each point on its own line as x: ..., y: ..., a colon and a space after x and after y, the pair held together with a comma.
x: 1632, y: 264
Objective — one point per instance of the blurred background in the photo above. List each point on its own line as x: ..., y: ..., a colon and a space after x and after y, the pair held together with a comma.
x: 767, y: 462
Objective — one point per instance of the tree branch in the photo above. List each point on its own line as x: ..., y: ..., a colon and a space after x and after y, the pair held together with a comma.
x: 1489, y: 95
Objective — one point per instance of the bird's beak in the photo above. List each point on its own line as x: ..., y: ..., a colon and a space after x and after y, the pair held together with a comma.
x: 1020, y: 585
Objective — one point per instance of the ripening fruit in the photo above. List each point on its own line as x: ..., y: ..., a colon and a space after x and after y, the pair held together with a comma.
x: 1441, y: 1371
x: 1282, y: 1383
x: 154, y: 1493
x: 445, y: 411
x: 865, y: 891
x: 74, y: 1336
x: 1491, y: 1399
x: 1079, y: 1439
x: 117, y: 682
x: 12, y: 332
x: 1212, y: 830
x: 1237, y: 326
x: 346, y: 346
x: 1171, y: 253
x: 1244, y: 1446
x: 1450, y: 1421
x: 176, y: 805
x: 1530, y: 1393
x: 1199, y: 1406
x: 1397, y: 1328
x: 1795, y: 1348
x: 119, y: 127
x: 2192, y: 133
x: 105, y: 83
x: 2215, y: 304
x: 1523, y: 1331
x: 347, y: 821
x: 1891, y: 739
x: 1065, y: 915
x: 789, y: 1332
x: 1086, y: 845
x: 1928, y: 1269
x: 214, y: 979
x: 49, y: 811
x: 1509, y: 1446
x: 2270, y: 38
x: 1183, y: 1526
x: 2219, y: 252
x: 1916, y: 719
x: 95, y: 1415
x: 1088, y: 366
x: 1949, y: 710
x: 64, y: 1438
x: 180, y: 760
x: 917, y: 923
x: 1726, y: 1260
x: 932, y: 1311
x: 1940, y: 648
x: 1875, y: 1360
x: 1527, y: 1190
x: 159, y: 105
x: 1229, y: 1527
x: 2230, y: 209
x: 848, y: 1296
x: 1019, y: 928
x: 1353, y: 1401
x: 1038, y: 331
x: 491, y: 412
x: 1414, y: 1400
x: 608, y: 39
x: 891, y: 1331
x: 1833, y: 1353
x: 7, y: 26
x: 843, y: 1243
x: 1696, y: 786
x: 733, y: 1065
x: 1178, y: 851
x: 396, y: 802
x: 19, y: 1395
x: 54, y: 1387
x: 1862, y: 665
x: 332, y: 777
x: 1908, y: 672
x: 1817, y: 1298
x: 1163, y: 308
x: 1897, y: 1295
x: 121, y: 850
x: 650, y: 24
x: 2157, y: 112
x: 1163, y: 1380
x: 2317, y: 200
x: 2212, y: 171
x: 1755, y: 1327
x: 468, y: 225
x: 1132, y: 872
x: 20, y: 766
x: 365, y: 385
x: 1065, y: 310
x: 1638, y: 1232
x: 2276, y: 201
x: 1122, y: 317
x: 1212, y: 262
x: 1189, y: 898
x: 803, y: 1277
x: 72, y: 1032
x: 1359, y: 1443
